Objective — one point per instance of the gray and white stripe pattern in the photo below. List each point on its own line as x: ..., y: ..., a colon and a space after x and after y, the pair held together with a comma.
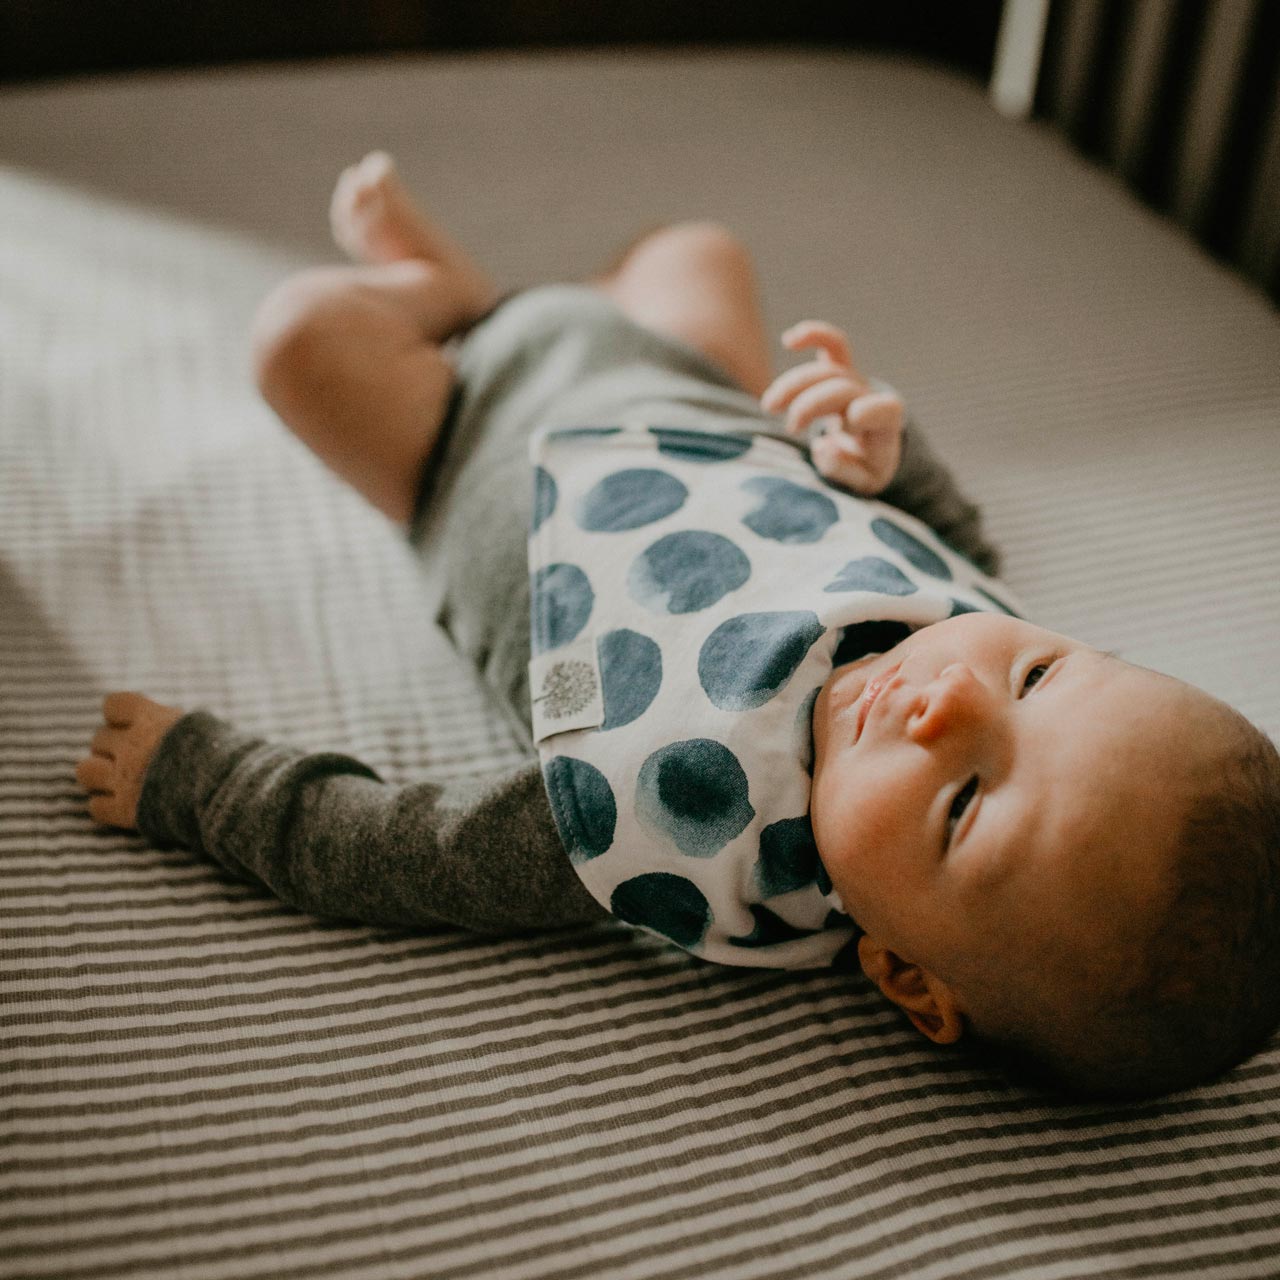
x: 200, y: 1082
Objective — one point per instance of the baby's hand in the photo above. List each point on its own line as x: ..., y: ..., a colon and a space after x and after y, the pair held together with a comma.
x: 862, y: 449
x: 122, y: 749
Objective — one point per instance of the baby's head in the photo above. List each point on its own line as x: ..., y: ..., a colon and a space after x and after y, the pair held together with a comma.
x: 1074, y: 858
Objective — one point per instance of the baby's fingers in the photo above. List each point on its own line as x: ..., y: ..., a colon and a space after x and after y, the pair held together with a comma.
x: 95, y: 773
x: 121, y: 709
x: 832, y: 395
x: 877, y: 413
x: 833, y: 342
x: 107, y: 806
x: 786, y: 386
x: 111, y: 811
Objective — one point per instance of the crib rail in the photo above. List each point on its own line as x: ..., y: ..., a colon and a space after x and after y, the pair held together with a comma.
x: 1180, y: 97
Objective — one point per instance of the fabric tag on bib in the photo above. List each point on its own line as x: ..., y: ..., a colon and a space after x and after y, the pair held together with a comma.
x: 565, y: 689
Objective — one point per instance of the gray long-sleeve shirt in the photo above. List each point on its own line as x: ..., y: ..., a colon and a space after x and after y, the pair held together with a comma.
x: 325, y: 834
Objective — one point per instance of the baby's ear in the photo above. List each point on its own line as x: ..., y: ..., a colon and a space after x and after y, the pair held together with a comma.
x: 934, y: 1009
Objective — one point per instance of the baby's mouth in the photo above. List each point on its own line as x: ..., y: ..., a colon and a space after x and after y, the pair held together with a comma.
x: 870, y: 693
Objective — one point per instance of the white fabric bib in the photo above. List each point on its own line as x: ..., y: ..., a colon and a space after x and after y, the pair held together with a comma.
x: 690, y: 594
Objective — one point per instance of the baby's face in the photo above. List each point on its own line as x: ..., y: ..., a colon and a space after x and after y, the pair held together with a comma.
x: 987, y: 787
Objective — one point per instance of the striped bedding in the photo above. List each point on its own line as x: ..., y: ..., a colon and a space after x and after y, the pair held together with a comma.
x: 198, y: 1082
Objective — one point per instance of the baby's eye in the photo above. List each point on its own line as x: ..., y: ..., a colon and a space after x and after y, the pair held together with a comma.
x: 960, y: 804
x: 1034, y: 676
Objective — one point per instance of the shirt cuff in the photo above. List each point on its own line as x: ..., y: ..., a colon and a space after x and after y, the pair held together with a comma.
x: 182, y: 766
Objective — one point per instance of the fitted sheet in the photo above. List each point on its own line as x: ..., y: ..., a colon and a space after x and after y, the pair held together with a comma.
x: 198, y: 1081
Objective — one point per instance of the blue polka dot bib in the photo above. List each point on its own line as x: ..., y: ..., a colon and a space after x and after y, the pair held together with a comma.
x: 691, y: 593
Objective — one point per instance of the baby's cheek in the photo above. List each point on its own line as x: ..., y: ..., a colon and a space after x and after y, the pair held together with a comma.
x: 872, y: 857
x: 840, y: 844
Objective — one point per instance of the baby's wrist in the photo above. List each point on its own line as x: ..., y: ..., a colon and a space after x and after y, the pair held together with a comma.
x: 169, y: 781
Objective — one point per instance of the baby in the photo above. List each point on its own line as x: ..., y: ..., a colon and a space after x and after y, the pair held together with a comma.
x: 798, y: 727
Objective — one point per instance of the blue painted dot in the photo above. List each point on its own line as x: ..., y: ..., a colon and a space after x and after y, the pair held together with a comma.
x: 871, y: 573
x: 582, y: 803
x: 788, y: 512
x: 667, y: 904
x: 544, y: 497
x: 999, y: 604
x: 628, y: 499
x: 579, y: 433
x: 748, y: 658
x: 804, y: 730
x: 910, y: 548
x: 962, y: 606
x: 788, y: 857
x: 630, y: 673
x: 700, y: 446
x: 687, y: 571
x: 694, y: 792
x: 862, y: 638
x: 770, y: 929
x: 822, y: 879
x: 560, y: 601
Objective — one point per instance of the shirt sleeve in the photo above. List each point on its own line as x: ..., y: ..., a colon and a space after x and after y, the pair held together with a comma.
x: 325, y: 834
x: 924, y: 487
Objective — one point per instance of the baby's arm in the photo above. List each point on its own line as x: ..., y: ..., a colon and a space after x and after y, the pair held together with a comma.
x: 871, y: 450
x: 325, y: 834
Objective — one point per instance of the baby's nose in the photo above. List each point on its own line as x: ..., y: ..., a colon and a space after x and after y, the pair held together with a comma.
x: 954, y: 697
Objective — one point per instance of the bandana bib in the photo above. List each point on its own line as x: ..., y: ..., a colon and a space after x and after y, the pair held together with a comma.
x: 691, y: 592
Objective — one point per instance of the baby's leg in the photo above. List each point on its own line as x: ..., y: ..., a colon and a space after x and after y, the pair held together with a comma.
x: 696, y: 282
x: 349, y: 357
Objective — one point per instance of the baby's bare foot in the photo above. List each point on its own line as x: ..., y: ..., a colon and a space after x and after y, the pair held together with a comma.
x: 374, y: 220
x: 371, y: 215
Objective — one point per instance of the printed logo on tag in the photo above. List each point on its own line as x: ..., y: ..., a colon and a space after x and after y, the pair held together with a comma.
x: 565, y: 689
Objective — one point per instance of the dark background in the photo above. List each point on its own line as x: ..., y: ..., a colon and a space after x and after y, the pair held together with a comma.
x: 48, y: 38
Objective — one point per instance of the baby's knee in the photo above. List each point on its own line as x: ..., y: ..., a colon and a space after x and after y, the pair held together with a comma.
x: 713, y: 241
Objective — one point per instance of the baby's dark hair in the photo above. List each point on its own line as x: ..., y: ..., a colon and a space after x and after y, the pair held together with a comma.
x: 1204, y: 991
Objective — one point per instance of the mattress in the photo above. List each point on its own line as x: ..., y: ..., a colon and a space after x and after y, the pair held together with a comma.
x: 200, y: 1082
